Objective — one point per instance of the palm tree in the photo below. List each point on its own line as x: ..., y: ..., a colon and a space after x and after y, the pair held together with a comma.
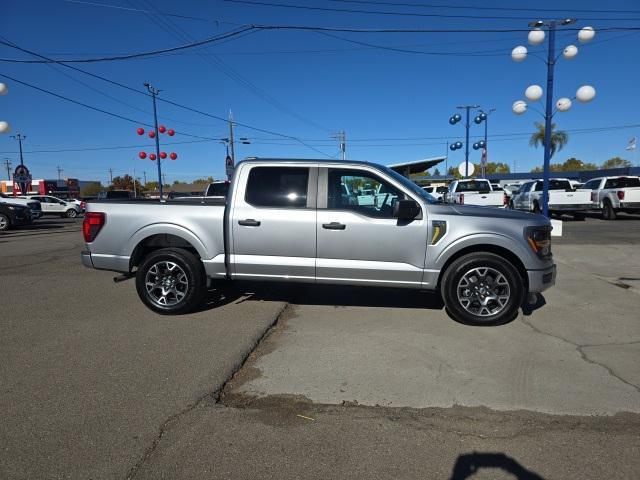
x: 559, y: 138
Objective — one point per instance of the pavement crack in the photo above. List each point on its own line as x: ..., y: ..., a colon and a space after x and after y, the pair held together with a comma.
x: 215, y: 396
x: 580, y: 349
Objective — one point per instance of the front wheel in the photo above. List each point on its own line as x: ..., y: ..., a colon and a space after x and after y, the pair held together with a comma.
x: 482, y: 289
x: 171, y: 281
x: 71, y: 213
x: 5, y: 222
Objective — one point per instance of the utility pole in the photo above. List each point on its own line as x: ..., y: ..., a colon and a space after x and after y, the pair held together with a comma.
x: 154, y: 92
x: 111, y: 175
x: 7, y: 164
x: 60, y: 170
x: 342, y: 139
x: 164, y: 180
x: 20, y: 137
x: 231, y: 142
x: 145, y: 177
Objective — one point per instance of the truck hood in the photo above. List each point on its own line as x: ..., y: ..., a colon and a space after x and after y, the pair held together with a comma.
x: 487, y: 212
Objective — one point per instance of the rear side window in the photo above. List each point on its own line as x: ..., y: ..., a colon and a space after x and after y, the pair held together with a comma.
x: 622, y: 182
x: 278, y: 187
x: 217, y: 189
x: 473, y: 186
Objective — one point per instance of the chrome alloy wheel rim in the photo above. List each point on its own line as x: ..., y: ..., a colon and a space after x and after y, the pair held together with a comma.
x: 166, y: 283
x: 483, y: 291
x: 3, y: 223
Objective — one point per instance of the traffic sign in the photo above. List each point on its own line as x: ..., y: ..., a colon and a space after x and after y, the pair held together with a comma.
x: 229, y: 166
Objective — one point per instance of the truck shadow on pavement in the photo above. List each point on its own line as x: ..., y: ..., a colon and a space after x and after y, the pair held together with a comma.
x: 467, y: 465
x: 330, y: 295
x: 336, y: 296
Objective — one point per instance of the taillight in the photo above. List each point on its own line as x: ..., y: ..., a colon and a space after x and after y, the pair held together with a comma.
x: 83, y: 205
x: 594, y: 196
x: 620, y: 194
x: 505, y: 199
x: 91, y: 225
x: 462, y: 199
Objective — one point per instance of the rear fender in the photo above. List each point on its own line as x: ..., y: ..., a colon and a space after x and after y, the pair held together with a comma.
x: 168, y: 229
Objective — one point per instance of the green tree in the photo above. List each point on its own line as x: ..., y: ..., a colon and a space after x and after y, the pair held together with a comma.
x: 559, y: 138
x: 497, y: 167
x: 616, y: 162
x: 570, y: 165
x: 436, y: 172
x: 124, y: 182
x: 203, y: 181
x: 91, y: 189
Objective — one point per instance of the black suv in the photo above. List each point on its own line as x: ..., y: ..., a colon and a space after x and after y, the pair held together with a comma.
x: 13, y: 215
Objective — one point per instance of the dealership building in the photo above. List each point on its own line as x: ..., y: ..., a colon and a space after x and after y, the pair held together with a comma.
x: 63, y: 188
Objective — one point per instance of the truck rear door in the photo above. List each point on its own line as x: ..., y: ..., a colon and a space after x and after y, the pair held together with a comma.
x: 273, y: 222
x: 364, y: 243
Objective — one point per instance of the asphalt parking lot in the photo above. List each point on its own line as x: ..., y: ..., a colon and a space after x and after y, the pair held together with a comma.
x: 274, y: 381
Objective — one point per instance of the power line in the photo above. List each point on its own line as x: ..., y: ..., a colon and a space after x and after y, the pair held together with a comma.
x: 401, y: 14
x: 206, y: 41
x: 474, y: 7
x: 167, y: 14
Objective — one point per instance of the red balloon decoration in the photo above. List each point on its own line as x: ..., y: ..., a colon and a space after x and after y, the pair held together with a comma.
x: 152, y: 134
x: 171, y: 132
x: 152, y: 156
x: 140, y: 131
x: 163, y: 155
x: 173, y: 156
x: 162, y: 129
x: 142, y: 155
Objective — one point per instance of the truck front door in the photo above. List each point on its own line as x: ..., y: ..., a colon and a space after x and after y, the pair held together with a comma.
x: 273, y: 223
x: 363, y: 243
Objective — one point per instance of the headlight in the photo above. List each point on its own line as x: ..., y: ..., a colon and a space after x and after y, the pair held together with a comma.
x: 11, y: 207
x: 539, y: 239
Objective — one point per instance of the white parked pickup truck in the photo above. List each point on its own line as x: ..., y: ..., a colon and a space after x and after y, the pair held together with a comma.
x: 562, y: 198
x: 474, y: 192
x: 613, y: 195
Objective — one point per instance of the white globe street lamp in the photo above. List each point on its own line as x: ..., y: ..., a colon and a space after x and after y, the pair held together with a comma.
x: 5, y: 127
x: 519, y: 107
x: 586, y: 93
x: 533, y: 93
x: 536, y: 37
x: 586, y: 34
x: 3, y: 89
x: 563, y: 104
x: 519, y: 54
x: 570, y: 52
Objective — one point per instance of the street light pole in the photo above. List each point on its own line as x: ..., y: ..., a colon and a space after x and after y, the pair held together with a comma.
x: 154, y: 92
x: 548, y: 113
x: 466, y: 143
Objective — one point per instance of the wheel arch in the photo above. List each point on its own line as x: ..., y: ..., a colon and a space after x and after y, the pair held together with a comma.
x: 157, y: 241
x: 503, y: 252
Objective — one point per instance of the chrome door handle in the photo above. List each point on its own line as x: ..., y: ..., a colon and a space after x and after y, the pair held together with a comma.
x: 249, y: 222
x: 334, y: 226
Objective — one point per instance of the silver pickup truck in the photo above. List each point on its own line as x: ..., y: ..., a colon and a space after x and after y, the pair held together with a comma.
x: 294, y: 221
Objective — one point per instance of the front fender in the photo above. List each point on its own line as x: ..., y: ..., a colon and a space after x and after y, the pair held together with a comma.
x: 519, y: 249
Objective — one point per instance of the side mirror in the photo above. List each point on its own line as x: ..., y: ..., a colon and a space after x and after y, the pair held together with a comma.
x: 406, y: 210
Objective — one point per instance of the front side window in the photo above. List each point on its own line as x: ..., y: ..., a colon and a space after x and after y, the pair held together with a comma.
x: 278, y: 187
x: 361, y: 192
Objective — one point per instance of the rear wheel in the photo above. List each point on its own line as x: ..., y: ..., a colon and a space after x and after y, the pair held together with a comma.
x: 536, y: 207
x: 482, y: 289
x: 71, y: 213
x: 608, y: 212
x: 171, y: 281
x: 5, y: 222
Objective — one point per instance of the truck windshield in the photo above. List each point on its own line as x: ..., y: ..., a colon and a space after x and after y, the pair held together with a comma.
x: 409, y: 185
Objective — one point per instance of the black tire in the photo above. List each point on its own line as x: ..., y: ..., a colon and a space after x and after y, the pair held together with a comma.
x: 579, y: 217
x: 71, y: 213
x: 608, y: 212
x: 511, y: 206
x: 536, y: 207
x: 5, y: 222
x: 177, y: 300
x: 494, y: 312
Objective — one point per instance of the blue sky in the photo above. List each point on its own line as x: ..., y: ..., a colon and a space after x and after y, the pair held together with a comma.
x: 303, y: 83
